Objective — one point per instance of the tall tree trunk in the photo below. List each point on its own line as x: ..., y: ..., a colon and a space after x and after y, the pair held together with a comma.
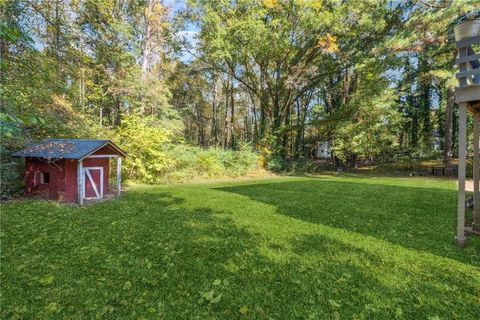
x: 277, y: 125
x: 57, y: 32
x: 254, y: 120
x: 263, y: 114
x: 214, y: 131
x: 447, y: 146
x: 200, y: 125
x: 298, y: 132
x: 424, y: 90
x: 455, y: 131
x: 286, y: 133
x: 147, y: 47
x: 414, y: 131
x: 232, y: 116
x: 414, y: 122
x: 227, y: 128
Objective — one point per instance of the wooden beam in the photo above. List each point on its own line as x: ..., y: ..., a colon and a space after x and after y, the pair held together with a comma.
x: 465, y: 74
x: 80, y: 182
x: 467, y: 42
x: 476, y: 171
x: 110, y: 144
x: 104, y: 156
x: 467, y: 94
x: 119, y: 176
x: 462, y: 157
x: 472, y: 57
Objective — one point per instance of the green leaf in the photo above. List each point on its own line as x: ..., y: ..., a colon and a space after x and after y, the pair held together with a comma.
x: 216, y: 299
x: 334, y: 303
x: 243, y: 310
x: 217, y: 282
x: 127, y: 285
x: 151, y: 310
x: 208, y: 295
x: 398, y: 313
x: 48, y: 279
x: 52, y: 307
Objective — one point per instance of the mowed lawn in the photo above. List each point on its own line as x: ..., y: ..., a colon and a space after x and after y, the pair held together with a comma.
x: 326, y: 247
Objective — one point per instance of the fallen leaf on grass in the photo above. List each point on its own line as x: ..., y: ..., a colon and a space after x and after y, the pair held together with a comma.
x: 127, y: 285
x: 52, y: 307
x: 243, y: 310
x: 334, y: 303
x: 48, y: 279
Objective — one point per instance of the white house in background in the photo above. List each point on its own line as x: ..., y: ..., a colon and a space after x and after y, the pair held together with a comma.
x: 323, y: 150
x: 436, y: 142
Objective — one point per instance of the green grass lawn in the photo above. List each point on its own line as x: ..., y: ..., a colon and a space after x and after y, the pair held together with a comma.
x: 346, y: 247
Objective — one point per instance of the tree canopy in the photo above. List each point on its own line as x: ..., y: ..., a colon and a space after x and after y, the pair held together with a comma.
x: 372, y: 79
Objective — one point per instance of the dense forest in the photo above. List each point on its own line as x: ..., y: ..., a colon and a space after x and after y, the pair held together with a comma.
x: 218, y: 88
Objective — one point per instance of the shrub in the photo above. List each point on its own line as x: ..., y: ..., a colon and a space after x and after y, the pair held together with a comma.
x: 11, y: 180
x: 209, y: 164
x: 155, y: 157
x: 144, y: 140
x: 275, y: 163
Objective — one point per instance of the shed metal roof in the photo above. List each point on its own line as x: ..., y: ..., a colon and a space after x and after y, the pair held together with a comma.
x: 66, y: 148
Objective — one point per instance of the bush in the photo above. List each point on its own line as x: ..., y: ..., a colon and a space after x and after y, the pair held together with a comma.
x: 155, y: 157
x: 209, y: 163
x: 144, y: 139
x: 11, y: 181
x: 275, y: 163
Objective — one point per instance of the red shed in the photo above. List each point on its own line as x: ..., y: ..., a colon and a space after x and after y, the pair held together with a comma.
x: 70, y: 169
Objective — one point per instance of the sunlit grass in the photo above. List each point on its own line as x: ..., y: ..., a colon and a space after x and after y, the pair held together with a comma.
x: 282, y: 248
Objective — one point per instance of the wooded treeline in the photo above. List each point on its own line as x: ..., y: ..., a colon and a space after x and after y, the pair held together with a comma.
x: 373, y: 79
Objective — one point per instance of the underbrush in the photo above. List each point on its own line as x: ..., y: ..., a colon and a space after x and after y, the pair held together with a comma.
x: 157, y: 156
x: 193, y: 163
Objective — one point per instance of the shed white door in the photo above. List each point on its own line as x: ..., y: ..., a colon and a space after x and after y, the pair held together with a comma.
x: 92, y: 182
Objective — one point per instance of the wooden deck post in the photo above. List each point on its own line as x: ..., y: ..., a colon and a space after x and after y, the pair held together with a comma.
x: 476, y: 169
x: 80, y: 182
x: 119, y: 176
x: 462, y: 157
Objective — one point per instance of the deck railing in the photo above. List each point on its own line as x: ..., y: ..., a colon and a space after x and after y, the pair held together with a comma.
x: 468, y: 62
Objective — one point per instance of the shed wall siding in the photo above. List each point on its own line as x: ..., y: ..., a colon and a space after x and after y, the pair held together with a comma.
x: 71, y: 180
x: 63, y: 177
x: 106, y: 150
x: 55, y: 189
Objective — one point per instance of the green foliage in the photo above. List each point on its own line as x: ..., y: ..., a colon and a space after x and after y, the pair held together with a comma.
x: 286, y: 55
x: 280, y: 75
x: 342, y: 247
x: 371, y: 123
x: 196, y: 163
x: 144, y: 139
x: 275, y: 163
x: 155, y: 157
x: 11, y: 178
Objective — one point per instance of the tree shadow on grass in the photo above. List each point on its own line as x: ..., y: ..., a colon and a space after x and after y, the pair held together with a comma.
x: 150, y: 256
x: 419, y: 218
x: 400, y: 287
